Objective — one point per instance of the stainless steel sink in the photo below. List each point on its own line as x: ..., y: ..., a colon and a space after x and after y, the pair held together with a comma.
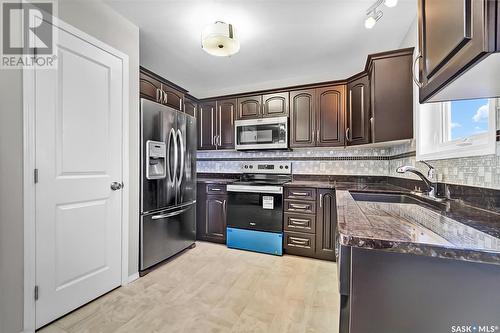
x: 398, y: 198
x: 380, y: 207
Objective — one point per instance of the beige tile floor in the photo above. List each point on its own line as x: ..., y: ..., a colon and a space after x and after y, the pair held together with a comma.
x: 215, y: 289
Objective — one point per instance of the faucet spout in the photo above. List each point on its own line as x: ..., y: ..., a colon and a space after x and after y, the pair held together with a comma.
x: 431, y: 189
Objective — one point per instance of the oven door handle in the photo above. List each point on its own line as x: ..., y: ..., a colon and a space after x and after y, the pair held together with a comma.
x: 255, y: 189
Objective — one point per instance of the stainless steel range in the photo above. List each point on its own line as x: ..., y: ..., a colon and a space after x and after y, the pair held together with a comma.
x: 255, y: 207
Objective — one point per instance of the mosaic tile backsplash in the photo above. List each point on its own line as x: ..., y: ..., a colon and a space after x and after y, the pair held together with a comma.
x: 483, y: 171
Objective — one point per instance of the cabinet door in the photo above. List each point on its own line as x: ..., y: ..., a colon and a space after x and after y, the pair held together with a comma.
x: 206, y: 125
x: 215, y: 217
x: 249, y: 107
x: 302, y: 126
x: 391, y: 98
x: 453, y: 35
x: 149, y: 87
x: 330, y: 114
x: 275, y: 105
x: 190, y: 107
x: 358, y: 112
x: 172, y: 97
x: 225, y: 123
x: 326, y: 224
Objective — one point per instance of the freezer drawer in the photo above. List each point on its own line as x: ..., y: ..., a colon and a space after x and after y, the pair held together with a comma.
x: 166, y: 233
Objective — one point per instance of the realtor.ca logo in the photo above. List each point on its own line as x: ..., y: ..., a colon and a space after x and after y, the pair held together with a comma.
x: 475, y: 328
x: 27, y: 34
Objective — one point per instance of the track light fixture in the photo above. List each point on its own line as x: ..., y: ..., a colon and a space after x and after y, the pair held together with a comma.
x: 374, y: 13
x: 372, y: 19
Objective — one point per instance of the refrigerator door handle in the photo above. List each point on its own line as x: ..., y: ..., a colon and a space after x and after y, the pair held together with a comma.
x: 171, y: 136
x: 164, y: 216
x: 183, y: 157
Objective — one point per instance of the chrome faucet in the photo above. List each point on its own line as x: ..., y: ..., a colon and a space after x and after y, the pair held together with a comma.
x: 431, y: 187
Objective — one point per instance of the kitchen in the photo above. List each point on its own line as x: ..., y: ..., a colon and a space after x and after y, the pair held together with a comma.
x: 230, y: 166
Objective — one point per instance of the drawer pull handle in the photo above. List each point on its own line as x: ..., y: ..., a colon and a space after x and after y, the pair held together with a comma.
x: 300, y: 194
x: 299, y: 206
x: 299, y: 242
x: 299, y: 221
x: 215, y: 189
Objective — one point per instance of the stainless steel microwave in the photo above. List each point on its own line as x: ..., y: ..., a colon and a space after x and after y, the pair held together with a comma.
x: 262, y: 133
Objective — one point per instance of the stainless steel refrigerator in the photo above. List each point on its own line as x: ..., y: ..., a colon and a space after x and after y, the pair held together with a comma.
x: 168, y: 183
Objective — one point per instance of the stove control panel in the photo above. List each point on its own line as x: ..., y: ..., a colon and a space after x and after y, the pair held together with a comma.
x: 283, y: 168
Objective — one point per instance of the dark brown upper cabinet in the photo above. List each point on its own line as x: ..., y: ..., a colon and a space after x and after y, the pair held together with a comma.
x: 149, y: 87
x: 330, y: 114
x: 302, y: 118
x: 275, y: 105
x: 190, y: 107
x: 391, y: 92
x: 206, y: 125
x: 358, y: 111
x: 454, y: 38
x: 172, y: 97
x: 153, y: 87
x: 249, y: 107
x: 317, y: 117
x: 226, y: 110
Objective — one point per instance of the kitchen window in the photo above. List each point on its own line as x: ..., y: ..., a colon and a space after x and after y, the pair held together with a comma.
x: 456, y: 129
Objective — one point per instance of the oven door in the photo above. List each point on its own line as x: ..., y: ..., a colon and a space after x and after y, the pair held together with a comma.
x: 265, y: 133
x: 255, y: 207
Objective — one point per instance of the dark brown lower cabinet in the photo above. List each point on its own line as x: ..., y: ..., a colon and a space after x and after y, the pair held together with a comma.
x: 211, y: 214
x: 310, y: 223
x: 326, y: 224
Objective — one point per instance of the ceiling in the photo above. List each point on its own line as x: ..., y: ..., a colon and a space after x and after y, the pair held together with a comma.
x: 283, y: 42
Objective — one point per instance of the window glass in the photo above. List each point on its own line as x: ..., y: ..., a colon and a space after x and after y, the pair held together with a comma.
x: 468, y: 118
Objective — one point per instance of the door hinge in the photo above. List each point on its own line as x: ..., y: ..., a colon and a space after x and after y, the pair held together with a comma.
x: 36, y: 293
x: 35, y: 176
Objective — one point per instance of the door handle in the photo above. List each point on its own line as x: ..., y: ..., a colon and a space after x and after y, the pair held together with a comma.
x: 181, y: 147
x: 163, y: 216
x: 170, y: 171
x: 415, y: 78
x: 115, y: 186
x: 347, y: 134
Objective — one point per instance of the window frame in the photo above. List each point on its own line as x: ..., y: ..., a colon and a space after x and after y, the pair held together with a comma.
x: 475, y: 145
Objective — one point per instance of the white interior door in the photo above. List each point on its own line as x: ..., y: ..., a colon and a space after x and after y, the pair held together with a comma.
x: 78, y: 111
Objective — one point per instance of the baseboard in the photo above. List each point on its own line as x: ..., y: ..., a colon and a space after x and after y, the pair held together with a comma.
x: 133, y: 277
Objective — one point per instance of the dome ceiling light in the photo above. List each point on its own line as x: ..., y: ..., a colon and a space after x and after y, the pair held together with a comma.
x: 220, y: 39
x: 374, y: 13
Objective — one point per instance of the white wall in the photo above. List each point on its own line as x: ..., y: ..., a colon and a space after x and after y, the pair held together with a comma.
x: 11, y: 201
x: 100, y: 21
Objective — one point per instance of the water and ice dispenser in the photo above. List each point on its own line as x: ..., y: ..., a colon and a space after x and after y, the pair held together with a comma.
x: 156, y: 156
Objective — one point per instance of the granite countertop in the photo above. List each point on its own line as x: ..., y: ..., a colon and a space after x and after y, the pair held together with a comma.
x: 331, y: 184
x: 416, y: 229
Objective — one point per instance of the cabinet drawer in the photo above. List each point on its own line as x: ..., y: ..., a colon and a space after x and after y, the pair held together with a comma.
x: 300, y: 193
x: 216, y: 189
x: 300, y: 223
x: 299, y: 244
x: 304, y: 207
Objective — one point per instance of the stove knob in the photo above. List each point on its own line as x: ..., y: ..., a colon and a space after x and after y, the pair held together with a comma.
x: 246, y: 166
x: 286, y: 166
x: 281, y: 167
x: 251, y: 166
